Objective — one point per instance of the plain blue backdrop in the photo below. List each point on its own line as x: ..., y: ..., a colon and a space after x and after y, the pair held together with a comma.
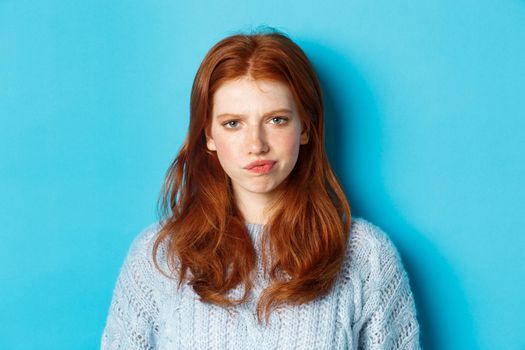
x: 425, y: 103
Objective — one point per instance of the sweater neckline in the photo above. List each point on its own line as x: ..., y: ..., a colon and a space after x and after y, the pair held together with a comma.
x: 254, y: 230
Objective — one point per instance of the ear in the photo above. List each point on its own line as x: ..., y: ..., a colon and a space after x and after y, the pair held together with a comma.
x: 304, y: 136
x: 210, y: 143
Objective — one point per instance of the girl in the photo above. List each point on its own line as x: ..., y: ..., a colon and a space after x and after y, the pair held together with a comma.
x: 256, y: 247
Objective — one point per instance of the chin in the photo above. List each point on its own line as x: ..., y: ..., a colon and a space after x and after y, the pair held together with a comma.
x: 263, y: 189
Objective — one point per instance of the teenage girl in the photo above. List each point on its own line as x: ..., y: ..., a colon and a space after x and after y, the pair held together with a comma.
x: 256, y: 247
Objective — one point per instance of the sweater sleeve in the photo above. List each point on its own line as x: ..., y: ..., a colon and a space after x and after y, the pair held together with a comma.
x: 388, y: 315
x: 133, y: 314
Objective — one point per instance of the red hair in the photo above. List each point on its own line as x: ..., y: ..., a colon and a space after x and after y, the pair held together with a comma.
x: 308, y: 228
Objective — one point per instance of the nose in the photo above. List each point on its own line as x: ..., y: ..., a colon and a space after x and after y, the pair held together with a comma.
x: 256, y: 140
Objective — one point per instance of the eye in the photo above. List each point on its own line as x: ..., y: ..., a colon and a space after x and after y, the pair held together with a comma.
x: 278, y: 120
x: 231, y: 124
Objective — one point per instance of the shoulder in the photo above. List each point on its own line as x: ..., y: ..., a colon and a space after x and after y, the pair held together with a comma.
x: 139, y: 261
x: 145, y: 239
x: 371, y: 252
x: 367, y: 237
x: 142, y: 246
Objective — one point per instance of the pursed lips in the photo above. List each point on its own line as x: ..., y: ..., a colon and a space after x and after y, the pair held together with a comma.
x: 260, y: 166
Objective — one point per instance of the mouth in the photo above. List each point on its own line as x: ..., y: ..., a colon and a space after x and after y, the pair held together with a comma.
x: 260, y: 166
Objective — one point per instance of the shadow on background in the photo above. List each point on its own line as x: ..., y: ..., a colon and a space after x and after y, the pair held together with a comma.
x: 353, y: 122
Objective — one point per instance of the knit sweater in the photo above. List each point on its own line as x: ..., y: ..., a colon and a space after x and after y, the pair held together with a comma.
x: 370, y: 305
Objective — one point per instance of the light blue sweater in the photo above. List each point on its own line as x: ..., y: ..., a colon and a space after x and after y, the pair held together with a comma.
x: 370, y: 306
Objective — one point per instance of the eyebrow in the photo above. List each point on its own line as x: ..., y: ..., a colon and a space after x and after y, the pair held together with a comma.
x: 267, y: 114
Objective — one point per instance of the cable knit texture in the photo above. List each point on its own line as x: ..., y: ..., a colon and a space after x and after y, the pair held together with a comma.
x: 369, y: 307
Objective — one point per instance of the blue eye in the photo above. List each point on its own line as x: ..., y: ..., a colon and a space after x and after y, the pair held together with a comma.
x: 278, y: 120
x: 231, y: 124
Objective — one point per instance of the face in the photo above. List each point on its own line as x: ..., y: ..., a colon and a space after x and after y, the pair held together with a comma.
x: 256, y: 132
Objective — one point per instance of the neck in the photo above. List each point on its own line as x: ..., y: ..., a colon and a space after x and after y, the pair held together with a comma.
x: 254, y: 208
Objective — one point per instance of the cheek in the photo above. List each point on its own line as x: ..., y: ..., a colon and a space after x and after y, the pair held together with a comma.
x: 225, y: 152
x: 290, y: 144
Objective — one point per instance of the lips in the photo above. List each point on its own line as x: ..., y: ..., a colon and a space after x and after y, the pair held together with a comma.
x: 260, y: 166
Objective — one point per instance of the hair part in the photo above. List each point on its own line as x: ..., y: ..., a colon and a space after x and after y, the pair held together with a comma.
x: 307, y: 231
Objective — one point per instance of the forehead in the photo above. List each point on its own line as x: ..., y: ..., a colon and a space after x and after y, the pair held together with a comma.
x: 245, y: 95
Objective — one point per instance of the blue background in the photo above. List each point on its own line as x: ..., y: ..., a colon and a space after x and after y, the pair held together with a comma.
x: 425, y: 101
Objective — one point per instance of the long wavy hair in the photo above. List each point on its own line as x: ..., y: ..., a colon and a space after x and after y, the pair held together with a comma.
x: 208, y: 245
